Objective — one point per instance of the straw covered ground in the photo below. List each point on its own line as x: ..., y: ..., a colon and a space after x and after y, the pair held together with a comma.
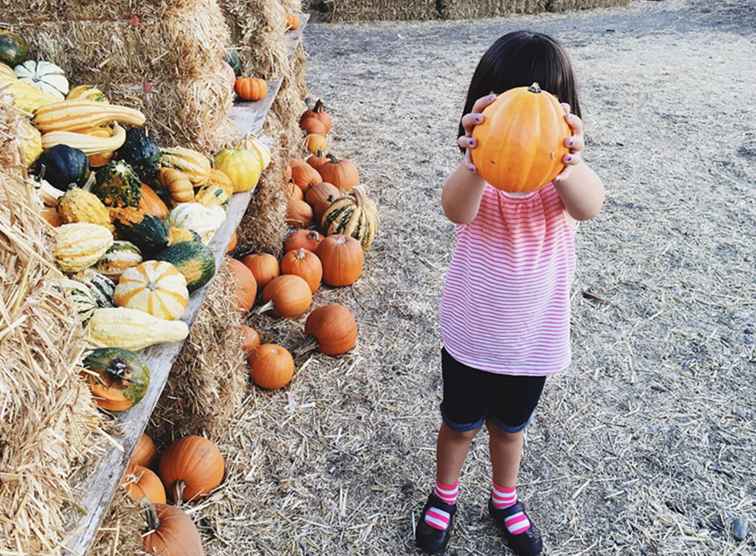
x: 646, y: 446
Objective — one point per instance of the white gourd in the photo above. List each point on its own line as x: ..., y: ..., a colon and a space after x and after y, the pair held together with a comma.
x: 46, y: 76
x: 204, y: 221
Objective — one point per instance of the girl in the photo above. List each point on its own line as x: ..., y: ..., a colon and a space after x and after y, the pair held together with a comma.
x: 505, y: 308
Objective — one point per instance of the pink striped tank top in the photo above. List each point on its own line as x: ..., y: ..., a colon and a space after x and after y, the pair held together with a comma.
x: 505, y: 306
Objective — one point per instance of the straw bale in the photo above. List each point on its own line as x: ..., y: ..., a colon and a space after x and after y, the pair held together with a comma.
x: 299, y: 73
x: 563, y: 5
x: 208, y: 381
x: 374, y: 10
x: 121, y: 530
x: 30, y: 11
x: 466, y: 9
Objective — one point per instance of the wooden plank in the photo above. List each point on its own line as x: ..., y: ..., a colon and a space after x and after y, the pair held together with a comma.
x: 249, y: 117
x: 295, y: 37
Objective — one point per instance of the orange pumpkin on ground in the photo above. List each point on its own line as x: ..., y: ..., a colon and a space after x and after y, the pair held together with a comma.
x: 334, y: 328
x: 317, y: 162
x: 250, y: 339
x: 304, y: 175
x: 342, y: 258
x: 141, y: 483
x: 293, y: 192
x: 306, y: 265
x: 264, y: 267
x: 251, y: 88
x: 320, y: 197
x: 288, y: 296
x: 341, y: 173
x: 171, y: 532
x: 303, y: 239
x: 271, y: 366
x: 246, y: 285
x: 144, y: 452
x: 298, y: 214
x: 191, y: 468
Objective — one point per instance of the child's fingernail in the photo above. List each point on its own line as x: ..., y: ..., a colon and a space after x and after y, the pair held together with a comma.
x: 569, y: 158
x: 571, y: 142
x: 471, y: 142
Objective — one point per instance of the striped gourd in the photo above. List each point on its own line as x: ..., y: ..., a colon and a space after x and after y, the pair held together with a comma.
x: 79, y: 115
x: 353, y: 215
x: 192, y: 163
x: 81, y: 296
x: 79, y: 246
x: 155, y: 287
x: 100, y: 285
x: 121, y: 256
x: 88, y: 144
x: 131, y: 329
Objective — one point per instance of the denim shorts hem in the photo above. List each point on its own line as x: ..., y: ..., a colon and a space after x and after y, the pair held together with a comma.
x: 462, y: 427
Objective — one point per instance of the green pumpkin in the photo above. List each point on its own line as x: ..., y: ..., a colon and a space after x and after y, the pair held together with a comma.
x: 14, y: 49
x: 118, y: 186
x: 193, y: 259
x: 142, y: 154
x: 101, y: 286
x: 117, y: 377
x: 233, y: 60
x: 63, y: 167
x: 145, y: 231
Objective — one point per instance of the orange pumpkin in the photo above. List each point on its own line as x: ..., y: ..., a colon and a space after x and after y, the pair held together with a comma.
x: 264, y: 267
x: 191, y: 468
x: 292, y: 22
x: 334, y: 328
x: 293, y: 192
x: 144, y: 452
x: 521, y: 142
x: 246, y: 285
x: 316, y: 120
x: 342, y: 258
x: 341, y: 173
x: 288, y: 296
x: 303, y: 239
x: 271, y: 366
x: 320, y: 196
x: 306, y: 265
x: 304, y: 175
x: 251, y: 88
x: 171, y: 533
x: 250, y: 339
x: 233, y: 242
x: 150, y: 203
x: 141, y: 483
x: 298, y: 214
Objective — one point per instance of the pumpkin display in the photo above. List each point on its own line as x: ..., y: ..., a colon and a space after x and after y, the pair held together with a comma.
x: 316, y: 120
x: 320, y: 197
x: 334, y: 328
x: 29, y: 142
x: 178, y: 185
x: 143, y: 230
x: 342, y: 258
x: 144, y: 452
x: 252, y: 143
x: 245, y: 291
x: 13, y: 48
x: 306, y: 265
x: 304, y: 175
x: 292, y: 22
x: 131, y: 329
x: 288, y: 296
x: 271, y: 366
x: 51, y: 216
x: 233, y: 242
x: 251, y: 88
x: 303, y: 239
x: 83, y: 299
x: 242, y: 166
x: 191, y: 468
x: 292, y: 191
x: 63, y: 167
x: 80, y: 245
x: 171, y: 533
x: 192, y: 163
x: 50, y: 78
x: 155, y: 287
x: 142, y: 154
x: 233, y: 59
x: 101, y: 286
x: 316, y: 144
x: 80, y: 115
x: 97, y: 143
x: 141, y: 483
x: 205, y: 221
x: 151, y: 203
x: 250, y: 339
x: 298, y: 214
x: 264, y: 267
x: 118, y: 186
x: 79, y: 205
x: 521, y: 142
x: 353, y: 215
x: 117, y: 378
x: 317, y: 162
x: 87, y: 92
x: 193, y: 259
x: 121, y: 256
x: 341, y: 173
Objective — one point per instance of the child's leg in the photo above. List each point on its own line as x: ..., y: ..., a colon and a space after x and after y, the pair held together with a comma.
x: 506, y: 454
x: 451, y: 451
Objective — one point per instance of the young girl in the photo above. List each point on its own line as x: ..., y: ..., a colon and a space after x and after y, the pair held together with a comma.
x: 505, y: 308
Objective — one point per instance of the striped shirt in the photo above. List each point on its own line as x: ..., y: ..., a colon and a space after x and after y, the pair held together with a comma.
x: 505, y: 306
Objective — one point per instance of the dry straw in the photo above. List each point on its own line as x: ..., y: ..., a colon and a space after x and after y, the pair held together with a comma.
x: 121, y: 531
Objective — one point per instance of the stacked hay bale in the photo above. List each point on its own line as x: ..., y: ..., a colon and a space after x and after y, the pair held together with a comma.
x: 374, y: 10
x: 466, y: 9
x: 564, y: 5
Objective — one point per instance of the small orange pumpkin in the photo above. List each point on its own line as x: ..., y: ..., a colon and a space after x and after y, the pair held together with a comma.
x: 304, y: 175
x: 292, y: 22
x: 271, y: 366
x: 171, y: 533
x: 293, y: 192
x: 306, y: 265
x: 250, y: 339
x: 191, y: 468
x: 264, y: 267
x: 150, y: 203
x: 303, y: 239
x: 342, y: 258
x: 251, y: 88
x: 298, y: 214
x: 316, y: 120
x: 320, y: 196
x: 341, y: 173
x: 334, y: 328
x: 246, y: 285
x: 144, y: 452
x: 141, y: 483
x: 288, y: 296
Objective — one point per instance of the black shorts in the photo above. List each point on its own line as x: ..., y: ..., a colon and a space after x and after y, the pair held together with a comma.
x: 472, y: 396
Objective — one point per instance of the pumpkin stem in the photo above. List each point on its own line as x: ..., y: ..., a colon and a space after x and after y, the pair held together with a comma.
x: 150, y: 515
x: 264, y: 308
x: 534, y: 88
x: 319, y: 106
x: 311, y: 345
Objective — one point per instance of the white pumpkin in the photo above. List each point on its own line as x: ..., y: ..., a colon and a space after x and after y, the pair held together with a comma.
x: 155, y: 287
x: 204, y: 221
x: 45, y: 76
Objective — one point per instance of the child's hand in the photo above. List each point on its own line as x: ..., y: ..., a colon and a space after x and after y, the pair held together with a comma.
x: 469, y: 121
x: 576, y: 142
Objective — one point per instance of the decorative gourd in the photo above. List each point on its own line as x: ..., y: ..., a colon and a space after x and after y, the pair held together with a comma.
x: 232, y: 59
x: 198, y: 218
x: 304, y: 175
x: 170, y: 532
x: 100, y: 141
x: 193, y: 259
x: 521, y: 142
x: 141, y: 483
x: 142, y: 154
x: 242, y: 166
x: 48, y: 77
x: 251, y: 88
x: 252, y: 143
x: 271, y: 366
x: 245, y: 291
x: 81, y: 296
x: 292, y: 22
x: 87, y: 92
x: 179, y: 235
x: 79, y: 246
x: 118, y: 378
x: 143, y: 230
x: 288, y: 296
x: 79, y: 205
x: 99, y: 160
x: 121, y: 256
x: 132, y: 329
x: 250, y: 339
x: 13, y: 48
x: 192, y: 163
x: 317, y: 162
x: 354, y: 215
x: 306, y: 265
x: 316, y: 120
x: 342, y: 259
x: 321, y: 196
x: 151, y: 203
x: 215, y: 195
x: 29, y: 142
x: 178, y: 185
x: 144, y: 452
x: 233, y: 242
x: 293, y: 192
x: 155, y: 287
x: 191, y: 468
x: 7, y: 73
x: 303, y: 239
x: 334, y: 328
x: 80, y: 115
x: 118, y: 186
x: 341, y: 173
x: 298, y: 214
x: 26, y: 97
x: 264, y: 267
x: 316, y: 144
x: 63, y: 167
x: 101, y: 286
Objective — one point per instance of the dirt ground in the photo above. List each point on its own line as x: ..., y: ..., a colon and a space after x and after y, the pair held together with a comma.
x: 647, y: 445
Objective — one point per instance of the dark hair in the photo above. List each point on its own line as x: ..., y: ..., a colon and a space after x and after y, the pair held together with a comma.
x: 519, y: 59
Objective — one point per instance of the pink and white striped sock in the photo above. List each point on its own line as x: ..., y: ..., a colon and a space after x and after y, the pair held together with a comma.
x: 506, y: 497
x: 436, y: 517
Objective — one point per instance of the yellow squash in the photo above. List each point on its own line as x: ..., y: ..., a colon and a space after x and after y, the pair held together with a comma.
x: 132, y: 329
x: 242, y: 166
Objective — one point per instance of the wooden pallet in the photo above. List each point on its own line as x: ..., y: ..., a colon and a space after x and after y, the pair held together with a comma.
x: 102, y: 484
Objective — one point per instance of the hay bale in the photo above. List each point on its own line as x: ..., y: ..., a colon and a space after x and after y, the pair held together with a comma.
x: 564, y: 5
x: 31, y: 11
x: 380, y: 10
x: 466, y: 9
x: 121, y: 530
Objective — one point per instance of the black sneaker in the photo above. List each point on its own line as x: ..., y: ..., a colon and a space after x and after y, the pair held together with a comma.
x: 528, y: 543
x: 427, y: 538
